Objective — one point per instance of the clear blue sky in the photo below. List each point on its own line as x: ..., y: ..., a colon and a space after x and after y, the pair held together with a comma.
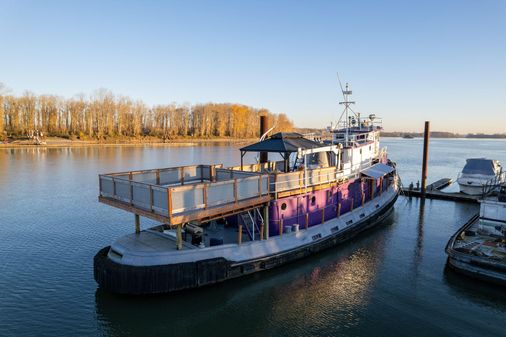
x: 407, y: 61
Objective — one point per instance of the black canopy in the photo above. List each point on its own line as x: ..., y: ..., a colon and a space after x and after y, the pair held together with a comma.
x: 282, y: 142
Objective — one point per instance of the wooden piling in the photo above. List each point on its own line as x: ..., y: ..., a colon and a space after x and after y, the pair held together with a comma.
x: 426, y: 136
x: 338, y: 210
x: 261, y: 231
x: 281, y: 228
x: 307, y: 220
x: 323, y: 215
x: 179, y: 237
x: 239, y: 234
x: 137, y: 224
x: 363, y: 199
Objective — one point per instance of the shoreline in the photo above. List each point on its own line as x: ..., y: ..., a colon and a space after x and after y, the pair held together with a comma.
x: 59, y: 143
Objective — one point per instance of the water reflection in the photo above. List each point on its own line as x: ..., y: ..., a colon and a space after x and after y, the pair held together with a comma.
x: 480, y: 292
x: 419, y: 239
x: 334, y: 283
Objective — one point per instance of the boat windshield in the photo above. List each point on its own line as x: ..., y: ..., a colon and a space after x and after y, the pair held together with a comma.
x: 479, y: 166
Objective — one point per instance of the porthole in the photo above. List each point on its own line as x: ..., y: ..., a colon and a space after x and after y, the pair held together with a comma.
x: 283, y: 206
x: 313, y: 200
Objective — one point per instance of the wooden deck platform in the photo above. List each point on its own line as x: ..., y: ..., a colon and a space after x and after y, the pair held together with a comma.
x: 434, y: 192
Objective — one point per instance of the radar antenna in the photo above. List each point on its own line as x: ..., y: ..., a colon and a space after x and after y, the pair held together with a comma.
x: 348, y: 120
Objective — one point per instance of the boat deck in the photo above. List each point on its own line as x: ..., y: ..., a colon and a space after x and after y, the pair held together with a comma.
x: 182, y: 194
x: 179, y: 195
x: 483, y: 239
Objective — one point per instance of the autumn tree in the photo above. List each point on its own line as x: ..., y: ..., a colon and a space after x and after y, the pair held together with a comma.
x: 105, y: 115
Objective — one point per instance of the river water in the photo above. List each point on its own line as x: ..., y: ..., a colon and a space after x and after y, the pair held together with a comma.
x: 389, y: 281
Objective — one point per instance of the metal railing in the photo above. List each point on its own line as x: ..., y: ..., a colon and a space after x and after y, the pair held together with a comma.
x: 193, y: 188
x: 297, y: 180
x: 493, y: 184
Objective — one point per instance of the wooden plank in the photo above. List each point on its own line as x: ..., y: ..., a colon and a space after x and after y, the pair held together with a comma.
x: 151, y: 198
x: 201, y: 215
x: 127, y: 207
x: 235, y: 190
x: 131, y: 194
x: 220, y: 211
x: 169, y: 204
x: 205, y: 196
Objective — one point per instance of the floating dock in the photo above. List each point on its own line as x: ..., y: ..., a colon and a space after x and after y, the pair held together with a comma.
x: 433, y: 191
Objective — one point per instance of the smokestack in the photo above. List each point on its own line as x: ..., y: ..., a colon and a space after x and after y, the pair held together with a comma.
x: 263, y: 129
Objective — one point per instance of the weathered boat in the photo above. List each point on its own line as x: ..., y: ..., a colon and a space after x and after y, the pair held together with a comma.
x: 479, y: 175
x: 478, y: 249
x: 220, y: 223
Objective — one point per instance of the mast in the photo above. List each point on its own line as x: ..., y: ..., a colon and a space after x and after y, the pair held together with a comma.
x: 347, y: 104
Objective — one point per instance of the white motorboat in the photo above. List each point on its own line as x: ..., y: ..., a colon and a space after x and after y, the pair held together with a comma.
x: 480, y: 176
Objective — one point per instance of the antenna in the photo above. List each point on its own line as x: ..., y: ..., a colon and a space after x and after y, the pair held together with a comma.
x: 339, y: 80
x: 347, y: 104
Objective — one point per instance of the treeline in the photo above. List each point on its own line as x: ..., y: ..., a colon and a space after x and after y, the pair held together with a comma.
x: 105, y: 115
x: 444, y: 134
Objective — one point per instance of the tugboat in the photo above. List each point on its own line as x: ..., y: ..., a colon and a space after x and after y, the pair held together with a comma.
x: 478, y: 174
x: 221, y: 223
x: 478, y: 249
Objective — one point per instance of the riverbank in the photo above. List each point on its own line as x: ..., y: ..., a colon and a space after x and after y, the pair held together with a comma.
x: 52, y: 142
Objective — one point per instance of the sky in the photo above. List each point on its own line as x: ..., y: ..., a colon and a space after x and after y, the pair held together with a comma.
x: 406, y: 61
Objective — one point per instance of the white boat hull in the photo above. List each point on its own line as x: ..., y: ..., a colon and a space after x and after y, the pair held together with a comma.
x: 471, y: 189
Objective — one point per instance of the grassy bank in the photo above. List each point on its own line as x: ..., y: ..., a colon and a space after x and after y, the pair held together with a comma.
x: 152, y: 141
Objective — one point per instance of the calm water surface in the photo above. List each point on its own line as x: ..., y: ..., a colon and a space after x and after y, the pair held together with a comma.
x: 389, y: 281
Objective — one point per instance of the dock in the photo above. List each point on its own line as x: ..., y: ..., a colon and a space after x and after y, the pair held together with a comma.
x: 434, y: 191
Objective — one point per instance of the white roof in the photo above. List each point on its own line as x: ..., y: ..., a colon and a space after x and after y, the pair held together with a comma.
x: 377, y: 170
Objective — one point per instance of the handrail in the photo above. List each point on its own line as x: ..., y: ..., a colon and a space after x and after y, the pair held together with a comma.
x: 162, y: 200
x: 164, y: 169
x: 336, y: 175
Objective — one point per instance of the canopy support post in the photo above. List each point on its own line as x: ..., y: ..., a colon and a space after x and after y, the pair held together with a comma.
x: 137, y: 224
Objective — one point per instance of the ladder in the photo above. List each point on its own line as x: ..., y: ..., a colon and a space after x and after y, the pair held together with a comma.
x: 250, y: 222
